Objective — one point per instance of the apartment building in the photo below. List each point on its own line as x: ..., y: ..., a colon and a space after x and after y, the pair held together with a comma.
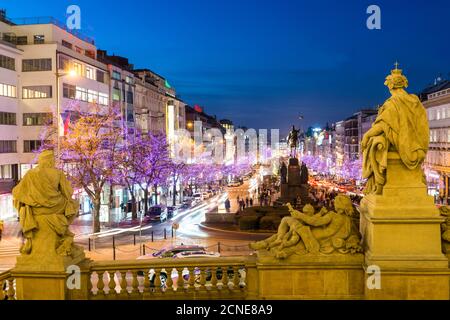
x: 121, y: 85
x: 436, y: 100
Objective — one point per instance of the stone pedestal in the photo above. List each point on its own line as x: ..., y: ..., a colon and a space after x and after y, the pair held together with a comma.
x: 334, y: 276
x: 293, y: 188
x: 42, y: 274
x: 401, y: 233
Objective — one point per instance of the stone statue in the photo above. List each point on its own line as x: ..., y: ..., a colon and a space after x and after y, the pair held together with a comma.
x: 43, y: 199
x: 445, y: 211
x: 401, y: 126
x: 292, y: 140
x: 283, y: 173
x: 315, y: 233
x: 304, y: 174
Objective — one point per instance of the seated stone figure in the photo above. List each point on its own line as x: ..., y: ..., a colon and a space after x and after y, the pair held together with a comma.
x: 323, y: 232
x: 44, y: 201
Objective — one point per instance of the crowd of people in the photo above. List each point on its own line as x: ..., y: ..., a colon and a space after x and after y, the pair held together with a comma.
x: 325, y: 197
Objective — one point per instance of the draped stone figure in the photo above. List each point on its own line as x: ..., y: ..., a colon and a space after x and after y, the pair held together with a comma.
x: 306, y: 232
x: 401, y: 126
x: 44, y: 201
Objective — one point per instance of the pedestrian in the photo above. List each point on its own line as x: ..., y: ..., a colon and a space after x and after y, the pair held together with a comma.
x: 247, y: 201
x: 243, y: 204
x: 227, y: 205
x: 251, y: 202
x: 1, y: 229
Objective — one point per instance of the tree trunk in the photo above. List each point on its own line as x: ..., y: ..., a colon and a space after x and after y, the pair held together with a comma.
x: 156, y: 194
x: 96, y: 215
x: 145, y: 200
x: 174, y: 191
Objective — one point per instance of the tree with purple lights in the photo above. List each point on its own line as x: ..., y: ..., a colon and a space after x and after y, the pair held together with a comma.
x: 153, y: 165
x: 88, y: 151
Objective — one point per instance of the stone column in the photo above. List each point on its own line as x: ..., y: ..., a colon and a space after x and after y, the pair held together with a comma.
x: 402, y: 237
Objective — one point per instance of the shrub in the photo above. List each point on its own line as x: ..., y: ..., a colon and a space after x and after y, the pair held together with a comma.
x: 270, y: 222
x: 248, y: 222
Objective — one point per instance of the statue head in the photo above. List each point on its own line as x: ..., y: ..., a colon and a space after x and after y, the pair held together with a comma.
x: 396, y: 80
x: 46, y: 159
x: 343, y: 205
x: 308, y: 210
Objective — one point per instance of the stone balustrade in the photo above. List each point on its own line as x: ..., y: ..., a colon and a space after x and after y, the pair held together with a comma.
x: 203, y: 278
x: 7, y: 286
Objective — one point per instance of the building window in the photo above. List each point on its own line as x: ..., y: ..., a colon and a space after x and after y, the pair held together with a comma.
x: 69, y: 91
x: 31, y: 145
x: 8, y: 146
x: 7, y: 90
x: 36, y: 65
x: 6, y: 171
x: 37, y: 92
x: 81, y: 94
x: 116, y: 94
x: 78, y: 68
x: 39, y: 39
x: 129, y: 80
x: 130, y: 97
x: 116, y: 75
x: 37, y: 119
x: 100, y: 76
x: 66, y: 44
x: 92, y: 96
x: 103, y: 99
x: 8, y: 118
x: 7, y: 62
x: 64, y: 63
x: 90, y: 74
x: 90, y: 54
x: 79, y: 50
x: 22, y: 40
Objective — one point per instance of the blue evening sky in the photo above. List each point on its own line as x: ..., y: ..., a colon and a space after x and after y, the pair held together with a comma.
x: 262, y: 63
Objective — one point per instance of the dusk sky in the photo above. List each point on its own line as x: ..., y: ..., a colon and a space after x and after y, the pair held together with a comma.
x: 263, y: 63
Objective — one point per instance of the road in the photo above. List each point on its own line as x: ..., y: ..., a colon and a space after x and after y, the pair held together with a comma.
x: 189, y: 227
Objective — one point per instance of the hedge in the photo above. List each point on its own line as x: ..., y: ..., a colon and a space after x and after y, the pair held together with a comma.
x: 249, y: 222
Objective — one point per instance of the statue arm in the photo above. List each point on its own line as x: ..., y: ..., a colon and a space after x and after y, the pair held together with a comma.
x: 376, y: 130
x: 316, y: 220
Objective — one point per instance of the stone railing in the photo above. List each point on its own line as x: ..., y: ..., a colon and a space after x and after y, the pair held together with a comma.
x: 203, y: 278
x: 7, y: 286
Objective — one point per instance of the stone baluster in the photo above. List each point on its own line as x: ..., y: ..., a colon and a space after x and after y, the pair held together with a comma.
x: 146, y: 281
x: 221, y: 276
x: 11, y: 291
x: 197, y: 278
x: 163, y: 277
x: 213, y: 277
x: 186, y: 277
x: 134, y: 282
x: 242, y: 277
x: 157, y: 281
x: 123, y: 282
x: 2, y: 293
x: 231, y: 276
x: 93, y: 288
x: 112, y: 283
x: 100, y: 283
x: 208, y: 278
x: 152, y: 279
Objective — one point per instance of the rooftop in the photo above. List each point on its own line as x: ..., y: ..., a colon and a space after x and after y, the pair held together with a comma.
x: 44, y: 20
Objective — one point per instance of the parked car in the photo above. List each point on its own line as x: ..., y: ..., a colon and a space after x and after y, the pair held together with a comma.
x: 171, y: 211
x: 205, y: 195
x: 157, y: 213
x: 196, y: 254
x: 171, y: 251
x: 233, y: 184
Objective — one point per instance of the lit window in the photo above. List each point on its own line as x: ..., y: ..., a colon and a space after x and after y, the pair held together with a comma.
x: 78, y: 68
x: 90, y: 74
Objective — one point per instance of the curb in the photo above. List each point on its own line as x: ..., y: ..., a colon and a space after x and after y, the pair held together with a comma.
x: 201, y: 225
